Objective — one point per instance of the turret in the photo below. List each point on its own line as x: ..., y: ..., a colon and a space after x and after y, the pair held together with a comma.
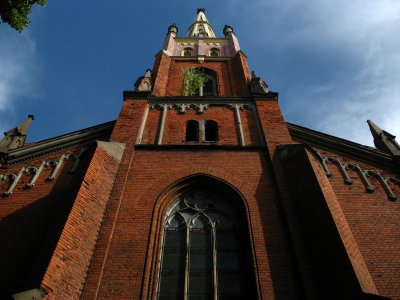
x: 201, y: 40
x: 384, y: 141
x: 15, y: 138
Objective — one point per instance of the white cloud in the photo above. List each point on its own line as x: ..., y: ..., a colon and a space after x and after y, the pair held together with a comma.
x: 357, y: 75
x: 17, y: 71
x: 369, y: 33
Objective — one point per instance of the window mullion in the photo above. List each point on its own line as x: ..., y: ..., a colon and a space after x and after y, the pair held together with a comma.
x: 202, y: 131
x: 214, y: 251
x: 186, y: 293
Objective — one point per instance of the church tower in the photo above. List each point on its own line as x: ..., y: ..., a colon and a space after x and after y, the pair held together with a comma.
x: 197, y: 213
x: 200, y: 190
x: 199, y: 210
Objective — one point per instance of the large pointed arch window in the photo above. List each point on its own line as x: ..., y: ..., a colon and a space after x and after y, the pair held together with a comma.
x: 203, y: 256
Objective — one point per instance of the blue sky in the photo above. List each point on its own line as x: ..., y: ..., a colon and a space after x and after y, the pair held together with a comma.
x: 335, y: 63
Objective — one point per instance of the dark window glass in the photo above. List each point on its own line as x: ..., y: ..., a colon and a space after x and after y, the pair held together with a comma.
x: 192, y: 131
x: 202, y: 253
x: 173, y: 262
x: 211, y: 131
x: 210, y: 86
x: 214, y: 52
x: 187, y: 52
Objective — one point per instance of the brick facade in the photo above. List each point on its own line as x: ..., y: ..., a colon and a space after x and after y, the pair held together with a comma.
x: 96, y: 233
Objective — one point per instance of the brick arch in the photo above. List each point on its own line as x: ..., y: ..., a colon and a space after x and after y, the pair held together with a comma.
x: 242, y: 187
x: 170, y: 187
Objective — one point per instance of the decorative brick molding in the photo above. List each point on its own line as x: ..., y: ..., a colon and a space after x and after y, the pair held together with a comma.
x: 35, y: 172
x: 363, y: 174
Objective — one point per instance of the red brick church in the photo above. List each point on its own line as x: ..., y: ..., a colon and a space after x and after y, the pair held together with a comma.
x: 199, y: 190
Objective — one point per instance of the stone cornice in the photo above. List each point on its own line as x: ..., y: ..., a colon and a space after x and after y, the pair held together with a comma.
x: 354, y: 150
x: 48, y: 146
x: 199, y: 145
x: 223, y: 99
x: 180, y: 39
x: 204, y: 58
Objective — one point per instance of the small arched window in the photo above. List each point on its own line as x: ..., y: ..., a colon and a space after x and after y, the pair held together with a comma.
x: 211, y: 131
x: 214, y: 52
x: 210, y: 86
x: 192, y: 131
x: 188, y: 51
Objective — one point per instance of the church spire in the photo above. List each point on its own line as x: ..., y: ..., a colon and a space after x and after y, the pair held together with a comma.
x: 200, y: 26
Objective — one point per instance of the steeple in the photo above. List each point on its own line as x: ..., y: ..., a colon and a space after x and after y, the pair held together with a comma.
x: 200, y: 26
x: 15, y: 138
x: 201, y: 41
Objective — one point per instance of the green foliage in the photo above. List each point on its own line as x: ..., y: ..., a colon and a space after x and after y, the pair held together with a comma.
x: 193, y: 79
x: 16, y: 12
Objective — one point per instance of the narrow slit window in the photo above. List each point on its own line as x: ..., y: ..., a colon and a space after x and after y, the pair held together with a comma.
x: 192, y: 131
x: 211, y: 131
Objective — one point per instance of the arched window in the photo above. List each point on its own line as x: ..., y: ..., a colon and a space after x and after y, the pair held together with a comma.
x: 214, y: 52
x: 192, y: 131
x: 210, y: 87
x: 188, y: 51
x: 211, y: 131
x: 203, y: 249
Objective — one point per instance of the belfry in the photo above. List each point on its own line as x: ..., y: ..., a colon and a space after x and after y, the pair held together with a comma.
x: 199, y: 190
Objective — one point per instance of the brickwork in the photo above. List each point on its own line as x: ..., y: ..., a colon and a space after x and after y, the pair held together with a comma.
x: 160, y: 73
x: 97, y: 233
x: 137, y: 227
x: 251, y: 132
x: 242, y: 76
x: 128, y: 122
x: 66, y: 272
x: 233, y: 76
x: 31, y: 221
x: 152, y: 125
x: 331, y: 246
x: 374, y: 221
x: 175, y: 125
x: 175, y: 79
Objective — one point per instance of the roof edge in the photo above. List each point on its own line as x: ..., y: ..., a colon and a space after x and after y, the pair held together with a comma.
x: 331, y: 143
x: 65, y: 141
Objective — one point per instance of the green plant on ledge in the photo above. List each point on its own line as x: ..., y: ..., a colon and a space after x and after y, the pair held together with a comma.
x: 193, y: 81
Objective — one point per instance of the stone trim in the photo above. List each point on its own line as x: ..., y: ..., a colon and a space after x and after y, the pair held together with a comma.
x: 331, y: 143
x: 14, y: 178
x: 63, y: 142
x: 197, y: 145
x: 362, y: 173
x: 131, y: 95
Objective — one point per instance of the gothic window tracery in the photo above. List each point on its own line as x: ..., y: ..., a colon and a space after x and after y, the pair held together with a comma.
x: 201, y: 255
